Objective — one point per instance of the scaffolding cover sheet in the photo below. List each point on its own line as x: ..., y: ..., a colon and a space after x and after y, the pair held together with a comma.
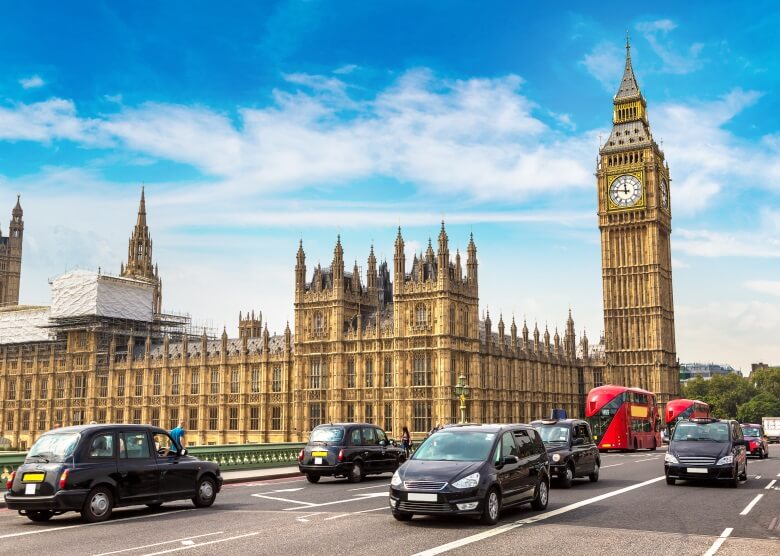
x: 83, y: 293
x: 24, y: 325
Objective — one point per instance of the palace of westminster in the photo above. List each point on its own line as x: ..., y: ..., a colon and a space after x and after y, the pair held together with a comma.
x: 386, y: 348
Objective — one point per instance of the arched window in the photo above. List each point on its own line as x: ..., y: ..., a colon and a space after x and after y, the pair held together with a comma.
x: 421, y: 315
x: 319, y: 323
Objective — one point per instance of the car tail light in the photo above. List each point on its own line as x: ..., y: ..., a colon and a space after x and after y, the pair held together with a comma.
x: 300, y: 455
x: 10, y: 481
x: 341, y: 455
x: 64, y: 478
x: 753, y: 444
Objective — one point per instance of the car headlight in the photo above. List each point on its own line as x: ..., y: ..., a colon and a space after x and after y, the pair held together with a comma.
x: 669, y: 458
x: 556, y: 457
x: 725, y: 460
x: 396, y: 480
x: 467, y: 482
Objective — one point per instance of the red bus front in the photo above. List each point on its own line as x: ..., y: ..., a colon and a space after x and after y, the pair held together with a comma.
x: 684, y: 409
x: 623, y: 418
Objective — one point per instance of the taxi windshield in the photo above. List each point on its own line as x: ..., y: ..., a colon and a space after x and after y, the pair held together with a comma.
x: 54, y: 446
x: 689, y: 432
x: 460, y: 446
x: 751, y: 431
x: 327, y: 434
x: 553, y: 433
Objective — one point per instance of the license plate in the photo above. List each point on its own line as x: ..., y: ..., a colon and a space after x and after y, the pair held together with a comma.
x: 421, y: 497
x: 33, y: 477
x: 317, y: 461
x: 319, y: 454
x: 30, y: 488
x: 696, y: 470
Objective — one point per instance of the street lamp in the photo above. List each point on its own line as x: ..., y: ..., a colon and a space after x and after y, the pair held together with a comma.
x: 462, y: 391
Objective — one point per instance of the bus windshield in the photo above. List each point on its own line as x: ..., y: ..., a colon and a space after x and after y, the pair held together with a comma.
x: 601, y: 420
x: 686, y: 431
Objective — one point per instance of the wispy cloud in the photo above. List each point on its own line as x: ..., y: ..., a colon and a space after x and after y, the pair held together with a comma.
x: 32, y: 82
x: 708, y: 243
x: 656, y: 33
x: 605, y: 62
x: 770, y: 287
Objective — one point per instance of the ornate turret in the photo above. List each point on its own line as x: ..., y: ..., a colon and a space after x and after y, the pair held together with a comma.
x: 525, y: 335
x: 458, y: 269
x: 471, y: 262
x: 139, y: 256
x: 569, y: 342
x: 251, y: 326
x: 300, y: 269
x: 399, y: 260
x: 443, y: 255
x: 513, y: 332
x: 338, y: 265
x: 371, y: 279
x: 11, y: 255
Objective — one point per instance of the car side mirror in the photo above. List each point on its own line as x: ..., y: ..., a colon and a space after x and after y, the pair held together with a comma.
x: 382, y: 443
x: 511, y: 460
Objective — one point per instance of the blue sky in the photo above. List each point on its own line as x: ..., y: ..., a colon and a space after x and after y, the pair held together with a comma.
x: 256, y: 124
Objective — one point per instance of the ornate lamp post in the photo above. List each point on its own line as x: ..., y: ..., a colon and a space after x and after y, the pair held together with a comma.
x: 462, y: 391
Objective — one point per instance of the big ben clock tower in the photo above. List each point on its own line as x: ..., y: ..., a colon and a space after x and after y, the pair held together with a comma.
x: 635, y: 220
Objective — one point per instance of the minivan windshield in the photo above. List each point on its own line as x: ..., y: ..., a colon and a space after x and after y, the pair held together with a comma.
x: 456, y: 446
x: 686, y: 431
x: 751, y: 431
x: 327, y: 434
x: 54, y: 446
x: 553, y: 433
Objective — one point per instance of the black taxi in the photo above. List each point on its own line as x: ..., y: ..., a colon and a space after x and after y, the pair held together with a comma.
x: 570, y: 446
x: 351, y: 450
x: 94, y: 468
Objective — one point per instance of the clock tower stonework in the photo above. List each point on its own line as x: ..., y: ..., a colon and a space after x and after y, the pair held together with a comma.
x: 635, y: 219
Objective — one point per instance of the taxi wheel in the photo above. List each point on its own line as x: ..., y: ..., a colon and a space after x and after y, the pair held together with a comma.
x: 491, y: 508
x: 567, y: 478
x: 356, y: 475
x: 312, y: 478
x: 98, y: 505
x: 206, y: 493
x: 594, y: 477
x: 41, y: 515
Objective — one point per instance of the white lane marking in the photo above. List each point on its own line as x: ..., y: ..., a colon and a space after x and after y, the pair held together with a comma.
x: 353, y: 513
x: 305, y: 504
x: 303, y: 518
x: 187, y: 543
x: 648, y: 459
x: 359, y: 498
x: 157, y: 544
x: 758, y: 476
x: 201, y: 544
x: 509, y: 526
x: 613, y: 465
x: 719, y: 541
x: 270, y: 482
x: 770, y: 485
x: 375, y: 486
x: 114, y: 522
x: 752, y: 503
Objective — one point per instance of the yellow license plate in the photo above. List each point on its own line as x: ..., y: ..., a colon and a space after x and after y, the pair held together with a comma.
x: 33, y: 477
x: 319, y: 454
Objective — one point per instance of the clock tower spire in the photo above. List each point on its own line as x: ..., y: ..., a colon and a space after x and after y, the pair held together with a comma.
x: 635, y: 221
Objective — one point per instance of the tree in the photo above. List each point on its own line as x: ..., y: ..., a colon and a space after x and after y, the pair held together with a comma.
x: 767, y: 380
x: 762, y: 405
x: 723, y: 393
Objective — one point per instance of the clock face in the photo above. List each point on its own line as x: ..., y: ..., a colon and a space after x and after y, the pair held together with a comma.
x: 625, y: 191
x: 664, y: 187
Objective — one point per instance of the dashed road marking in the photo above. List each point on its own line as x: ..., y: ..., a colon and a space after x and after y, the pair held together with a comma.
x: 202, y: 544
x: 719, y: 541
x: 771, y: 484
x: 304, y: 504
x: 510, y: 526
x: 182, y: 539
x: 375, y: 486
x: 648, y: 459
x: 353, y: 513
x: 358, y: 499
x: 613, y: 465
x: 752, y: 503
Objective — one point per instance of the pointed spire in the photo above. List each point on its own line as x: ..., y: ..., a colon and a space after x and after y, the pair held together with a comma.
x: 17, y: 211
x: 142, y: 209
x: 628, y: 85
x: 301, y: 255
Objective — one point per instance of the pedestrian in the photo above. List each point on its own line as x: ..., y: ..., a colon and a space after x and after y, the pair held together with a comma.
x: 178, y: 435
x: 406, y: 441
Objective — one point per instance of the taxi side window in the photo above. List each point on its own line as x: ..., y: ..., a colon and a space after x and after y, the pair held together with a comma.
x: 136, y: 445
x: 102, y: 446
x: 354, y: 437
x: 508, y: 447
x: 164, y: 445
x: 369, y: 437
x: 537, y: 446
x: 380, y: 436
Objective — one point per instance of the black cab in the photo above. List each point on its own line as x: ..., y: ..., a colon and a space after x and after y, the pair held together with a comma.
x: 472, y: 470
x: 94, y: 468
x: 571, y: 449
x: 706, y: 448
x: 351, y: 450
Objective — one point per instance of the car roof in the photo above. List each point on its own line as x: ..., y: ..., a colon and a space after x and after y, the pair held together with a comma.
x: 488, y: 427
x: 347, y: 425
x: 557, y: 421
x: 103, y: 426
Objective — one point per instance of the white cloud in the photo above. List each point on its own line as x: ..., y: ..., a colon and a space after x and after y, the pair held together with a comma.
x: 769, y: 287
x: 343, y: 70
x: 655, y: 32
x: 49, y: 120
x: 605, y: 62
x: 707, y: 243
x: 32, y: 82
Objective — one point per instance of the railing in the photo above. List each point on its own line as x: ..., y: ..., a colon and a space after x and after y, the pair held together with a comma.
x: 229, y: 457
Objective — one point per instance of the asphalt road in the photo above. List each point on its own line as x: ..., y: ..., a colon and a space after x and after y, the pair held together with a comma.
x: 631, y: 510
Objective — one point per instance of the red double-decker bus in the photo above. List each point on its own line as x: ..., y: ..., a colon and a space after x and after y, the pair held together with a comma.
x: 623, y: 418
x: 685, y: 409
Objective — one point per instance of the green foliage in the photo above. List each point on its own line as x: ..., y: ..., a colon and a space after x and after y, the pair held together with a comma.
x: 763, y: 405
x: 733, y: 397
